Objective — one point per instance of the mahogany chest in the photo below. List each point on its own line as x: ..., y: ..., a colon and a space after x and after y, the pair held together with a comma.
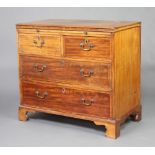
x: 86, y: 69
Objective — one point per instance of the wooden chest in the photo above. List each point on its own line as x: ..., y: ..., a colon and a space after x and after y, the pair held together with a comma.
x: 83, y: 69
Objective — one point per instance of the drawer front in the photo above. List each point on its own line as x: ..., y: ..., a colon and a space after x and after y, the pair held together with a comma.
x: 77, y: 73
x: 89, y: 47
x: 39, y: 44
x: 65, y: 99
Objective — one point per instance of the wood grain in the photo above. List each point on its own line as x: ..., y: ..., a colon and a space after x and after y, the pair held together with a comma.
x: 63, y: 32
x: 73, y: 99
x: 71, y: 24
x: 23, y: 113
x: 67, y: 72
x: 127, y: 71
x: 63, y: 82
x: 112, y: 128
x: 101, y: 49
x: 50, y: 47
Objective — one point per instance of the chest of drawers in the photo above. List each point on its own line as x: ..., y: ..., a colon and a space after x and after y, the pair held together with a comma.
x: 83, y: 69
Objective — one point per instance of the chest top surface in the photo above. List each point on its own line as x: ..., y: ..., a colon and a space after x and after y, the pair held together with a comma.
x: 75, y: 24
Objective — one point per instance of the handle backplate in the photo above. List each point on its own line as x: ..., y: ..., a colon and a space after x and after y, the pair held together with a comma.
x: 86, y: 74
x: 39, y: 68
x: 87, y: 102
x: 38, y: 42
x: 45, y: 94
x: 86, y: 45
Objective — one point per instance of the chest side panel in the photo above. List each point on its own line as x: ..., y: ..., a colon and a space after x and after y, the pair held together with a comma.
x: 126, y: 71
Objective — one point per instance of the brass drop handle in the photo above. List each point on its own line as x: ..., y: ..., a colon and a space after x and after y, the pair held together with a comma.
x: 39, y: 69
x: 88, y: 74
x: 38, y: 42
x: 45, y: 94
x: 86, y: 45
x: 87, y: 102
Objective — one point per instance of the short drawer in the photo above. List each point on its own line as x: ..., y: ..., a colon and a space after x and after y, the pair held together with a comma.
x: 89, y: 47
x: 77, y: 73
x: 39, y: 44
x: 66, y: 99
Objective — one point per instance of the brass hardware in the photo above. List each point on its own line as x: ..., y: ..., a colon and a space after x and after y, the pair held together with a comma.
x: 41, y: 69
x: 39, y: 42
x: 86, y: 45
x: 89, y: 74
x: 45, y: 94
x: 87, y: 102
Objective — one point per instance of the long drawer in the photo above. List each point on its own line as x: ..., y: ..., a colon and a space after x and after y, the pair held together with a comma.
x: 76, y: 73
x: 65, y: 99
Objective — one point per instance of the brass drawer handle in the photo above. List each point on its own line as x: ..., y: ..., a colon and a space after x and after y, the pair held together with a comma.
x: 45, y: 94
x: 41, y: 69
x: 89, y: 74
x: 85, y: 43
x: 39, y: 42
x: 87, y: 102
